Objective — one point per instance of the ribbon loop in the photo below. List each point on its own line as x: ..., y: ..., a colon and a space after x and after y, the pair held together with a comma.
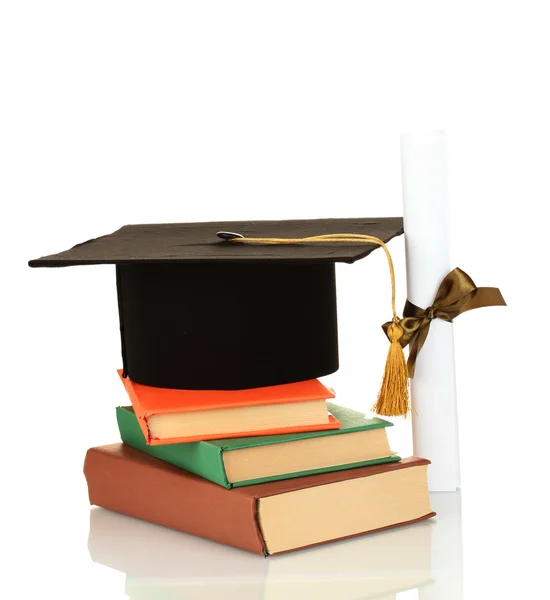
x: 457, y: 294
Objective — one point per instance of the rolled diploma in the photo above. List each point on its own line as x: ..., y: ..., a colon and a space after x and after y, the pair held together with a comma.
x: 426, y: 224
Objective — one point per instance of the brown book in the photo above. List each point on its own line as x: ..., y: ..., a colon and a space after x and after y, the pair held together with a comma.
x: 267, y: 518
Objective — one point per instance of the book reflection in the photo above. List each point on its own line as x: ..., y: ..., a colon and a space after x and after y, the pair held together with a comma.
x: 161, y: 564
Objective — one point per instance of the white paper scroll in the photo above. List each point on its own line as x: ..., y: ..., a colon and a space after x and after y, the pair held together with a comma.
x: 426, y: 222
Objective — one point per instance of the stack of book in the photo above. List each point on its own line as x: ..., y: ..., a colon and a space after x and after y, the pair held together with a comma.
x: 267, y: 469
x: 231, y: 436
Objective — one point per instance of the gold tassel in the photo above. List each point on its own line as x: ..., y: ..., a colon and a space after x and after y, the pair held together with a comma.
x: 393, y: 397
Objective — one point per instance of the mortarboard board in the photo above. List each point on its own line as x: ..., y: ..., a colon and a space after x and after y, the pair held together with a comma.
x: 198, y: 312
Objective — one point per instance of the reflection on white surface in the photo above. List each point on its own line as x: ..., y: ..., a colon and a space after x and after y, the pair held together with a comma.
x: 161, y: 564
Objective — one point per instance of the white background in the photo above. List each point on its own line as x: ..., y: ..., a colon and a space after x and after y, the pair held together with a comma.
x: 116, y: 112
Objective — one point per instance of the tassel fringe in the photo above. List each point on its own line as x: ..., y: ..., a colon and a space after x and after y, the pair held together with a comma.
x: 393, y: 398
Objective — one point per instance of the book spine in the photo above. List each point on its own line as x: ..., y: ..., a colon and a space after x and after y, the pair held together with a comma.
x: 138, y: 409
x: 201, y: 458
x: 130, y: 482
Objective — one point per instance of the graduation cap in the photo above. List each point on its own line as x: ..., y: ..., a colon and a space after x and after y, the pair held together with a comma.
x: 252, y: 307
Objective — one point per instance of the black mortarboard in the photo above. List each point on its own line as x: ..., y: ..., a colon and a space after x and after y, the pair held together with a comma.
x: 198, y: 312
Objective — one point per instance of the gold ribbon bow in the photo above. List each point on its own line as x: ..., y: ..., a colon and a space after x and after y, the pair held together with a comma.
x: 457, y: 294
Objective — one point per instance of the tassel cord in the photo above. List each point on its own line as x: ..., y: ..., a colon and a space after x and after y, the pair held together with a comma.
x: 357, y: 238
x: 393, y: 397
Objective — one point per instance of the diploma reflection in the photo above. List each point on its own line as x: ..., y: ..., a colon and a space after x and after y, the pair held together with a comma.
x: 161, y: 564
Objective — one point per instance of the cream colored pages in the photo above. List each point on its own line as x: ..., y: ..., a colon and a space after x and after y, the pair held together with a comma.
x: 345, y: 508
x: 304, y: 455
x: 235, y: 420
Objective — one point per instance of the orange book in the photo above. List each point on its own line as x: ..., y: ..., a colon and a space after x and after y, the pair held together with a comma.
x: 168, y: 416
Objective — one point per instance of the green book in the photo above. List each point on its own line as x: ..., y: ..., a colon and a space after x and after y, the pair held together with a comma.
x: 243, y: 461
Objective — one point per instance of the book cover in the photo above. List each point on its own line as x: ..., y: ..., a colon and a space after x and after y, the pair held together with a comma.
x: 148, y: 401
x: 205, y: 458
x: 133, y: 483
